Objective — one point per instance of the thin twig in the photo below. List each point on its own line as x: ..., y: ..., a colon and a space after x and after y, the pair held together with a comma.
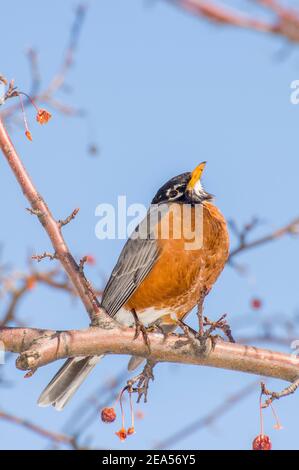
x: 82, y: 263
x: 39, y: 258
x: 66, y: 221
x: 276, y: 395
x: 292, y: 228
x: 55, y: 437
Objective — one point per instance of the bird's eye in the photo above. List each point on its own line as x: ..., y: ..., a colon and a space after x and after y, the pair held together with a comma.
x: 173, y: 193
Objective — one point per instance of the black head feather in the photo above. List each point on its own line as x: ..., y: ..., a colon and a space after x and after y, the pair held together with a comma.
x: 175, y: 191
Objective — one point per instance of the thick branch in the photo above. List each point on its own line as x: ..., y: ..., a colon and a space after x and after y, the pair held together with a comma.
x: 42, y: 347
x: 52, y: 227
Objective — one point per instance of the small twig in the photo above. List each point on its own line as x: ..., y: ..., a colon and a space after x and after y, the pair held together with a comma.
x: 32, y: 211
x: 291, y: 228
x: 39, y: 258
x: 52, y: 436
x: 16, y: 285
x: 11, y: 92
x: 277, y: 395
x: 66, y: 221
x: 3, y: 80
x: 16, y: 296
x: 82, y: 263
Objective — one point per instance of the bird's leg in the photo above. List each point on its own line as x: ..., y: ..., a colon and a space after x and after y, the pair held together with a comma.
x: 220, y: 324
x: 140, y: 383
x: 140, y: 328
x: 200, y: 318
x: 199, y: 339
x: 204, y: 292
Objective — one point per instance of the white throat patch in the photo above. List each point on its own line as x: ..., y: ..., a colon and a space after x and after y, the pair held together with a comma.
x: 198, y: 189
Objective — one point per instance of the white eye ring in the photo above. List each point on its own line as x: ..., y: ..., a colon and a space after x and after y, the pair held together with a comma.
x: 173, y: 194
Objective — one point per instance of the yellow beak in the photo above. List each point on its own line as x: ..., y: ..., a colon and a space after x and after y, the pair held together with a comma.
x: 196, y: 175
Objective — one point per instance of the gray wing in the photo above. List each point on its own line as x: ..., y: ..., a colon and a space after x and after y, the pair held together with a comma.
x: 134, y: 263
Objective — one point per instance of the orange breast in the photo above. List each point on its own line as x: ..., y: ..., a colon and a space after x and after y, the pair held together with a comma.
x: 187, y: 266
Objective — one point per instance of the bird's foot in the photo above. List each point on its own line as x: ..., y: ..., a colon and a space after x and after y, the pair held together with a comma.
x: 157, y: 328
x: 140, y: 383
x: 140, y: 328
x: 202, y: 342
x: 220, y: 324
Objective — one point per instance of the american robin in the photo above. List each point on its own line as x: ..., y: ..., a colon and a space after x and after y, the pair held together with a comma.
x: 162, y: 272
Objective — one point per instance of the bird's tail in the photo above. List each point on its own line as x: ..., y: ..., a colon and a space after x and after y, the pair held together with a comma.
x: 67, y: 380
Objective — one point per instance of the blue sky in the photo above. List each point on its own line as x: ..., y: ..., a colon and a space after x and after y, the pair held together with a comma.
x: 163, y: 91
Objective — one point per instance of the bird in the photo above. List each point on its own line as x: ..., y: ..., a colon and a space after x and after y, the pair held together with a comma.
x: 161, y: 274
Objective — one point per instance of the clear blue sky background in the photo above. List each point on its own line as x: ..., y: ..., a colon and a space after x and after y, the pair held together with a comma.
x: 164, y: 91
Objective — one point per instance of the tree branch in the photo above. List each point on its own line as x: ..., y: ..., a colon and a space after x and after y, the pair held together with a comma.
x: 41, y: 347
x: 52, y: 228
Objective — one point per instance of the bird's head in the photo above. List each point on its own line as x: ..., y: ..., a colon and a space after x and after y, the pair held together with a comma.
x: 184, y: 188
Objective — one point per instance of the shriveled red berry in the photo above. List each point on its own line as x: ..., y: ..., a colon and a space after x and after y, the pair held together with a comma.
x: 43, y: 116
x: 108, y: 415
x: 122, y: 434
x: 262, y: 442
x: 131, y: 430
x: 256, y: 303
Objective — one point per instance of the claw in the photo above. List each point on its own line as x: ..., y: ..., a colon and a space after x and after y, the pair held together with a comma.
x: 220, y: 324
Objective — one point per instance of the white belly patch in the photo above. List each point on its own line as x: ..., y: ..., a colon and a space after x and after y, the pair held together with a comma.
x: 147, y: 316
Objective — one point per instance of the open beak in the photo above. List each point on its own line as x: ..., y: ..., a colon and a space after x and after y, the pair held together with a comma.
x: 195, y: 176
